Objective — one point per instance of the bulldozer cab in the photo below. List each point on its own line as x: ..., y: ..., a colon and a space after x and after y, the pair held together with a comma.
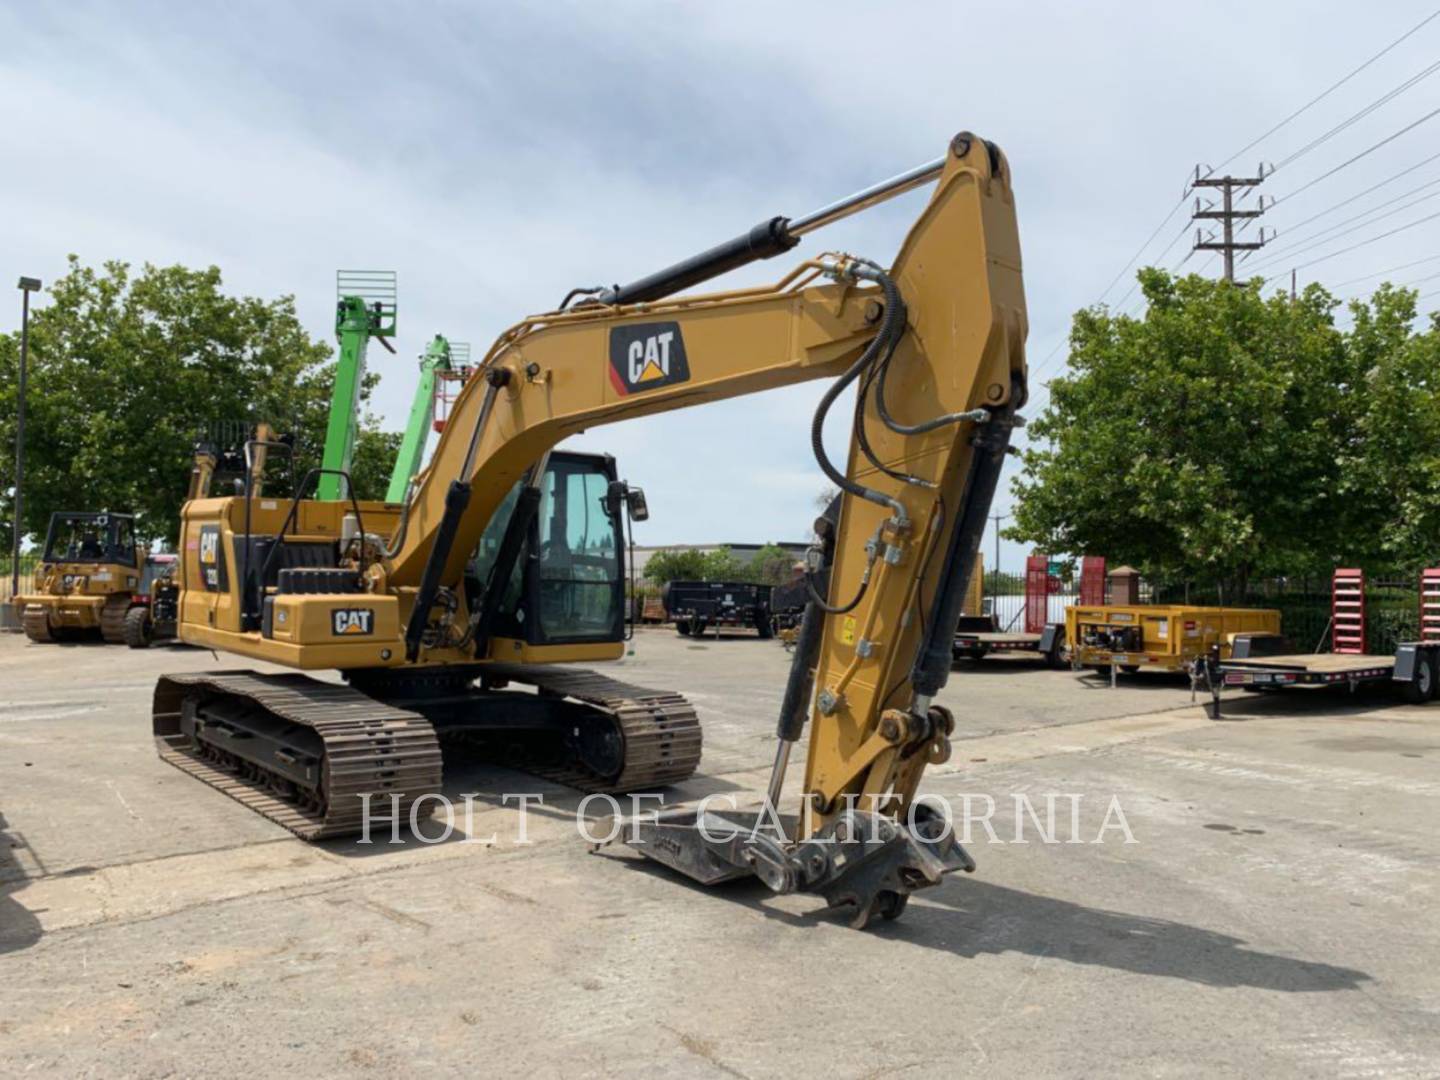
x: 91, y: 538
x: 567, y: 587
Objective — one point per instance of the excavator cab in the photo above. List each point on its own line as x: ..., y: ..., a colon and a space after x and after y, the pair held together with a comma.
x: 567, y: 586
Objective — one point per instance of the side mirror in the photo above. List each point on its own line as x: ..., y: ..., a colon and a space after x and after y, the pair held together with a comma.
x: 635, y: 500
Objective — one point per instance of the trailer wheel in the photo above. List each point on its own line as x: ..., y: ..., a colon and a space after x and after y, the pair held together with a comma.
x: 682, y: 627
x: 765, y: 628
x: 1054, y: 660
x: 1421, y: 688
x: 697, y: 628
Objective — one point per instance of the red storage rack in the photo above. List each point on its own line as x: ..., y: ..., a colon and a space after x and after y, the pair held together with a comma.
x: 1037, y: 592
x: 1430, y: 604
x: 1347, y: 611
x: 1092, y: 580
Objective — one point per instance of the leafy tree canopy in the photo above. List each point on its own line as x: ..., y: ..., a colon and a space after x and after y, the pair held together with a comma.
x: 126, y: 368
x: 1228, y: 434
x: 770, y: 566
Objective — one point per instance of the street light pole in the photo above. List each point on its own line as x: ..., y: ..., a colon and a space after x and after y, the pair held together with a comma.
x: 997, y: 518
x: 27, y: 286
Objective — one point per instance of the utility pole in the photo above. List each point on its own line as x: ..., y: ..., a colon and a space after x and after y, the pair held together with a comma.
x: 27, y: 286
x: 1227, y: 215
x: 997, y: 518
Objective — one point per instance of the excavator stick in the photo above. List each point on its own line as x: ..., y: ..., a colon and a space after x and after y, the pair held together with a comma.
x: 865, y: 845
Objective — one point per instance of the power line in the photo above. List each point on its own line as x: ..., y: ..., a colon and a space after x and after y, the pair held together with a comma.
x: 1050, y: 356
x: 1148, y: 241
x: 1390, y: 270
x: 1363, y: 153
x: 1320, y: 240
x: 1364, y: 243
x: 1388, y: 180
x: 1336, y: 86
x: 1383, y: 99
x: 1419, y: 280
x: 1135, y: 281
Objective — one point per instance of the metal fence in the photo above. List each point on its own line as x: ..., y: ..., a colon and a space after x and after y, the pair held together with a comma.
x: 1392, y: 608
x: 1004, y: 596
x: 28, y: 565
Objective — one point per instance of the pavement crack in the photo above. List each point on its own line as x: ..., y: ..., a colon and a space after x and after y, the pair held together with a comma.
x: 703, y: 1049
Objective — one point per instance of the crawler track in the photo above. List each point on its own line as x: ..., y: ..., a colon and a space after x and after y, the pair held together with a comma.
x: 659, y: 730
x: 36, y: 624
x: 369, y: 747
x: 366, y: 746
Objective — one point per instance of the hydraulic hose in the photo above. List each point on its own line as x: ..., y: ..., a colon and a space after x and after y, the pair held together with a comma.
x: 893, y: 302
x: 891, y: 321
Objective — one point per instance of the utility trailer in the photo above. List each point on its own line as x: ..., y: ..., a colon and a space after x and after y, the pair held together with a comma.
x: 1411, y: 671
x: 976, y: 636
x: 696, y: 606
x: 1262, y: 662
x: 1164, y: 637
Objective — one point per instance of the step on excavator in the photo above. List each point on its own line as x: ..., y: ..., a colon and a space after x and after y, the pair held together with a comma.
x: 447, y: 615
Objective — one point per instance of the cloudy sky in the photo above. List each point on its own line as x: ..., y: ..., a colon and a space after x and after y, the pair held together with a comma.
x: 496, y: 155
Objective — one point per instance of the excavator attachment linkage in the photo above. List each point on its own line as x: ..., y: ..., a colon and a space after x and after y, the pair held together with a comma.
x: 864, y: 863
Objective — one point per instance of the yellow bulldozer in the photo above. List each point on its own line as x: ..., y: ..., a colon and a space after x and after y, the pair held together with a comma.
x: 89, y: 573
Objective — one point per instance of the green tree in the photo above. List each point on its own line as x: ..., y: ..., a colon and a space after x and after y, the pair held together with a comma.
x: 690, y: 564
x: 675, y: 564
x: 375, y: 452
x: 721, y: 565
x: 1390, y: 464
x: 772, y: 565
x: 1203, y: 440
x: 126, y: 367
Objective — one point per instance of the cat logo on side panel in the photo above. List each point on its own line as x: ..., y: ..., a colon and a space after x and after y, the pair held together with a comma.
x: 349, y: 622
x: 647, y: 356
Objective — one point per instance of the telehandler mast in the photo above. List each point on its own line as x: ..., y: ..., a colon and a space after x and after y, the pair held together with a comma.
x: 365, y: 310
x: 506, y: 558
x: 436, y: 362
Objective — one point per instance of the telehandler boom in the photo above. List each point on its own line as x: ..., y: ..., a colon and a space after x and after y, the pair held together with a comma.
x: 364, y: 311
x: 435, y: 361
x: 506, y: 558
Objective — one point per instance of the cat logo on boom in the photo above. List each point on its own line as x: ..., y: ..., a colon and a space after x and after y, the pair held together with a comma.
x: 647, y: 356
x: 348, y: 622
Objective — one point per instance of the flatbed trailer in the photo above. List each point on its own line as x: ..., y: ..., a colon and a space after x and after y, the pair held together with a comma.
x: 1411, y: 671
x: 977, y: 636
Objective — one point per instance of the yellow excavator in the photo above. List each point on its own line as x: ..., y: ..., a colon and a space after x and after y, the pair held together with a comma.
x: 447, y: 615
